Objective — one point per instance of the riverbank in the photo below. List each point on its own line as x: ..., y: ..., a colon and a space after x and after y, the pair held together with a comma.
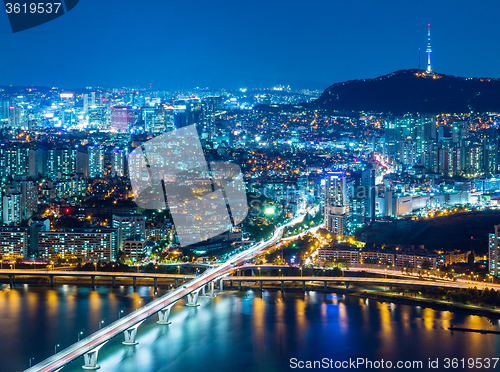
x: 430, y: 303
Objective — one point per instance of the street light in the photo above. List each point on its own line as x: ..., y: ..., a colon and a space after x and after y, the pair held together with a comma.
x: 301, y: 272
x: 79, y: 334
x: 178, y: 270
x: 101, y: 323
x: 120, y: 314
x: 55, y: 348
x: 31, y: 360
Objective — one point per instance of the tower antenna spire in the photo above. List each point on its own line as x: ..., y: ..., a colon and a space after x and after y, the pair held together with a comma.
x: 419, y: 59
x: 429, y: 49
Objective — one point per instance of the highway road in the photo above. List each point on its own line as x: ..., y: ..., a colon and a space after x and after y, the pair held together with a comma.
x: 92, y: 273
x: 364, y: 281
x: 471, y: 283
x: 62, y: 358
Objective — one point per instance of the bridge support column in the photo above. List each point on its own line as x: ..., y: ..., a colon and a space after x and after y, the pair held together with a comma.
x: 239, y: 285
x: 390, y: 288
x: 193, y: 298
x: 51, y: 280
x: 90, y: 359
x: 114, y: 282
x: 231, y: 284
x: 11, y: 280
x: 164, y: 314
x: 346, y: 285
x: 282, y: 286
x: 325, y: 286
x: 203, y: 290
x: 221, y: 286
x: 260, y: 283
x: 155, y: 283
x: 304, y: 286
x: 176, y: 283
x: 93, y: 281
x: 134, y: 281
x: 130, y: 335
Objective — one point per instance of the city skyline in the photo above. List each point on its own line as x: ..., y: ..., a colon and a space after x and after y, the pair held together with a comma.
x: 306, y: 47
x: 262, y: 185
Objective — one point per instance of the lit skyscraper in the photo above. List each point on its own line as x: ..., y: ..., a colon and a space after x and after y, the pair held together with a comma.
x: 493, y: 252
x: 339, y: 193
x: 96, y: 161
x: 122, y: 118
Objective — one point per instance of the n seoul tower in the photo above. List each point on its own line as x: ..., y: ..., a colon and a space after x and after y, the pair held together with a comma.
x: 429, y: 50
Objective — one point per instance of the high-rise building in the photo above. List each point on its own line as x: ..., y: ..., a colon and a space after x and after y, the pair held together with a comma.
x: 85, y: 103
x: 490, y: 144
x: 34, y: 228
x: 129, y: 227
x: 122, y: 119
x: 14, y: 160
x: 96, y: 161
x: 88, y: 245
x: 368, y: 183
x: 187, y: 112
x: 494, y: 244
x: 338, y: 196
x: 13, y: 243
x: 58, y: 163
x: 209, y: 107
x: 12, y: 209
x: 118, y: 162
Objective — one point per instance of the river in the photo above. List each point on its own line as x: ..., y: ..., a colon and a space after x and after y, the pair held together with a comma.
x: 237, y: 331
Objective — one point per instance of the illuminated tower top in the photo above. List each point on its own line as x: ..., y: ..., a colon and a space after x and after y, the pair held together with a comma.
x: 429, y: 50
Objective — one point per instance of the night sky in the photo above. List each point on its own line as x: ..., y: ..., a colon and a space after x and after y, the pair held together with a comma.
x: 240, y: 43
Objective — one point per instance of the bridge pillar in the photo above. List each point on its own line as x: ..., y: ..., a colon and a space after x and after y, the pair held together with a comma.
x: 239, y: 285
x: 155, y: 283
x: 260, y: 282
x: 193, y: 298
x: 325, y: 285
x: 176, y: 282
x: 221, y: 286
x: 130, y: 335
x: 164, y: 314
x: 211, y: 287
x: 93, y: 281
x: 51, y: 280
x: 231, y: 284
x: 282, y: 285
x: 390, y: 288
x: 114, y: 281
x: 134, y: 280
x: 346, y: 285
x: 11, y: 279
x: 203, y: 290
x: 304, y: 285
x: 90, y: 359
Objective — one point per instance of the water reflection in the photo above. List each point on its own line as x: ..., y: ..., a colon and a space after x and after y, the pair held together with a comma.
x: 246, y: 331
